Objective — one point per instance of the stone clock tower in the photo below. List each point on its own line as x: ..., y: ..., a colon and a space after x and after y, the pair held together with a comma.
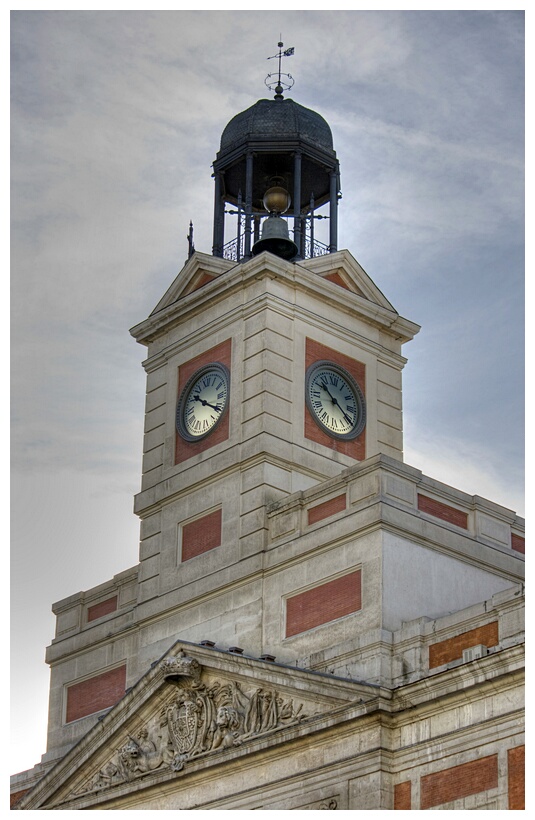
x: 307, y: 608
x: 265, y: 378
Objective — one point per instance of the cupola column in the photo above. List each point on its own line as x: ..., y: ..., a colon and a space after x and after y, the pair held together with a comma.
x: 219, y: 217
x: 333, y: 213
x: 297, y: 201
x: 248, y: 204
x: 275, y: 143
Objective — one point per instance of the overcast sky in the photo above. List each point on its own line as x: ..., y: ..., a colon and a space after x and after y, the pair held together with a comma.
x: 116, y: 119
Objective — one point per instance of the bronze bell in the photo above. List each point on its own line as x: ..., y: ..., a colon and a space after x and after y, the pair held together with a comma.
x: 276, y: 239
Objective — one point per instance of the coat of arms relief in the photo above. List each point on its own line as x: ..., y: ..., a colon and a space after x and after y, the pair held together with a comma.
x: 198, y: 717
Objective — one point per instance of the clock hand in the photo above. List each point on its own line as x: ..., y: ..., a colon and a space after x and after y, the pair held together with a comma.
x: 349, y: 421
x: 207, y: 404
x: 336, y: 404
x: 334, y: 401
x: 329, y: 394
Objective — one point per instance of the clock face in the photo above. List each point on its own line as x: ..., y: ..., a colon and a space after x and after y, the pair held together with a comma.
x: 335, y: 400
x: 203, y: 402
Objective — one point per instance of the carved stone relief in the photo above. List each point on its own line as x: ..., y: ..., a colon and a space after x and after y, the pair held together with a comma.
x: 198, y: 718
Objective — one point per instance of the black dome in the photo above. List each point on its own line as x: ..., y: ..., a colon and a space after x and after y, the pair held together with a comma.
x: 275, y: 143
x: 279, y: 120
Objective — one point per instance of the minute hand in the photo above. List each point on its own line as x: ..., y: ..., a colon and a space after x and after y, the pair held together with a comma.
x: 336, y: 404
x: 207, y: 404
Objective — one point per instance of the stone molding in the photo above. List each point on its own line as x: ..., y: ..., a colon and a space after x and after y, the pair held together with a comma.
x: 174, y: 308
x: 396, y: 484
x: 186, y: 709
x: 134, y: 770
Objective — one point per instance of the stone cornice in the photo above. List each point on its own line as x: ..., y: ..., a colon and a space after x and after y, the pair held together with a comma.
x: 368, y: 716
x: 266, y: 266
x: 185, y: 662
x: 430, y: 691
x: 290, y: 310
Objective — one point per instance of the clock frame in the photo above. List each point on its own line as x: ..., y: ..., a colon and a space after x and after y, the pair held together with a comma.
x: 203, y: 402
x: 335, y: 400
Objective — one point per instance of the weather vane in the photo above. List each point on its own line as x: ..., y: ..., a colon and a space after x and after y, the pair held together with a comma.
x: 279, y: 85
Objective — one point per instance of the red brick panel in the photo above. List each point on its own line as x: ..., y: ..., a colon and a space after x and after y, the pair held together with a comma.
x: 452, y: 648
x: 518, y: 543
x: 443, y: 511
x: 323, y: 603
x: 458, y: 782
x: 402, y: 795
x: 355, y: 448
x: 337, y: 280
x: 201, y: 535
x: 516, y: 777
x: 186, y: 449
x: 92, y: 695
x: 202, y: 280
x: 14, y: 797
x: 326, y: 509
x: 102, y: 608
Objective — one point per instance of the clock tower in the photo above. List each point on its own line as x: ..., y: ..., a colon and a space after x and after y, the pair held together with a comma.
x: 304, y: 600
x: 266, y: 376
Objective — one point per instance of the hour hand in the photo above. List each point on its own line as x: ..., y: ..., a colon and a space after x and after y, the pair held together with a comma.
x: 329, y: 394
x: 207, y: 404
x: 335, y: 402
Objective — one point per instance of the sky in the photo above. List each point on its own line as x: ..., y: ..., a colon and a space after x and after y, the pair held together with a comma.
x: 116, y: 118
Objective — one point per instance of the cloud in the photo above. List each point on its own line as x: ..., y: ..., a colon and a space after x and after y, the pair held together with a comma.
x: 467, y: 467
x: 116, y: 118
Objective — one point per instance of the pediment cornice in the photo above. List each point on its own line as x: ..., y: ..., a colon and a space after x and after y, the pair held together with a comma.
x: 195, y: 707
x: 206, y: 279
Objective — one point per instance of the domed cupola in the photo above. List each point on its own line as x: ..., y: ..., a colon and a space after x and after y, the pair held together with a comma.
x: 275, y: 145
x: 277, y: 119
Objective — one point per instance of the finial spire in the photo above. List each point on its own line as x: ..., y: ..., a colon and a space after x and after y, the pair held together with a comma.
x: 191, y: 246
x: 279, y: 85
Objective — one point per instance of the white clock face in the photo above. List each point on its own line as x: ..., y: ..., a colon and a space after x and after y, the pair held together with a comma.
x: 335, y: 400
x: 203, y: 402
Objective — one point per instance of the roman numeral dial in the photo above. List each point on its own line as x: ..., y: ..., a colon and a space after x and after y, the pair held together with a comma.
x: 335, y: 400
x: 203, y: 402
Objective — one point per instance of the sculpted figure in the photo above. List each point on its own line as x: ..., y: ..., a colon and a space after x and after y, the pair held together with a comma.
x: 146, y: 746
x: 106, y: 777
x: 139, y: 756
x: 197, y: 719
x: 329, y: 804
x: 227, y: 726
x: 262, y: 713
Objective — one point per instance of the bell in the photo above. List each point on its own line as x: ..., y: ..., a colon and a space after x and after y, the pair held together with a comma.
x: 276, y: 239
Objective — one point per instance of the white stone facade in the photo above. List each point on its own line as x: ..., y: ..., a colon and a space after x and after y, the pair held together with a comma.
x: 423, y: 675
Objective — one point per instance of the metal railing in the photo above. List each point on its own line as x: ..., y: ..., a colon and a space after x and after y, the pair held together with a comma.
x: 234, y: 250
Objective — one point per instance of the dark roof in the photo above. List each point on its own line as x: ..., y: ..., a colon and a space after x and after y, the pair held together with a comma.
x: 279, y: 119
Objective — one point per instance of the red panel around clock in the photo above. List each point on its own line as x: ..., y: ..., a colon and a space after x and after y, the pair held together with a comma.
x: 354, y: 448
x: 186, y: 449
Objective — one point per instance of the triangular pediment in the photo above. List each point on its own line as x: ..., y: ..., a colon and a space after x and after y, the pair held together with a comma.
x: 196, y: 707
x: 205, y: 279
x: 199, y: 270
x: 343, y: 270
